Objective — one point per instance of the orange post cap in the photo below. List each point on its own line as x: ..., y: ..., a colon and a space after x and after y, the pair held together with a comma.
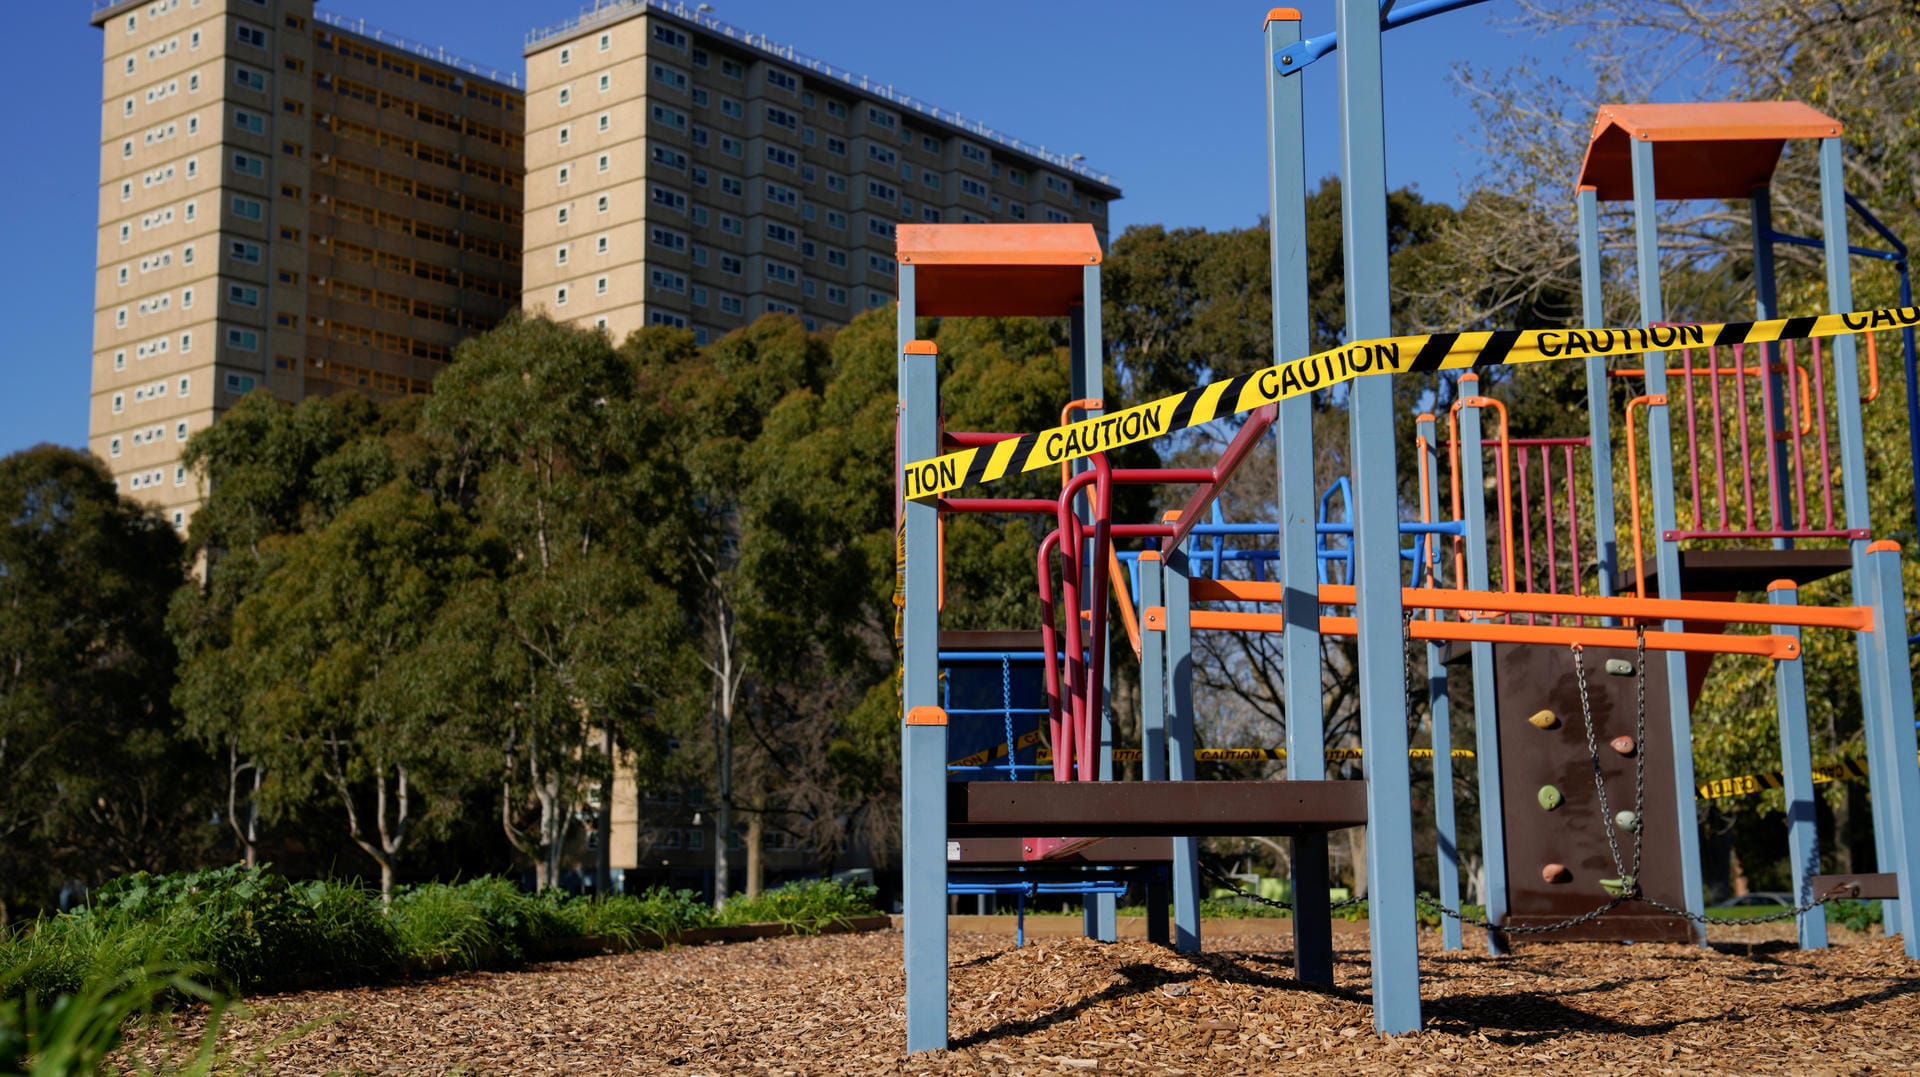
x: 1783, y: 585
x: 921, y: 347
x: 1149, y: 555
x: 1282, y: 14
x: 1883, y: 546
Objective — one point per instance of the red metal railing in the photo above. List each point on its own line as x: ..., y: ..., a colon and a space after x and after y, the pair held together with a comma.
x: 1754, y: 451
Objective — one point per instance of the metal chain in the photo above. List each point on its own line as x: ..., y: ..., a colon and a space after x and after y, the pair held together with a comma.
x: 1006, y: 706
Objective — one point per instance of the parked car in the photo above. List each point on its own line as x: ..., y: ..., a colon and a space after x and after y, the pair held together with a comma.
x: 1757, y: 897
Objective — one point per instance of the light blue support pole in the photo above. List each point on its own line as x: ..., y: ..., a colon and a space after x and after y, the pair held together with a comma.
x: 1766, y: 305
x: 1899, y: 781
x: 1796, y: 774
x: 1889, y: 820
x: 1087, y: 380
x: 923, y: 747
x: 1486, y: 732
x: 1153, y: 715
x: 1391, y: 925
x: 1593, y: 312
x: 1646, y: 225
x: 1440, y: 714
x: 1180, y: 763
x: 1300, y: 597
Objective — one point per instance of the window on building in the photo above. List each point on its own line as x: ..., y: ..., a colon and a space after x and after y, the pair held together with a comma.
x: 603, y: 163
x: 600, y: 245
x: 113, y: 447
x: 600, y: 206
x: 606, y: 42
x: 240, y: 383
x: 606, y: 82
x: 247, y: 209
x: 606, y: 122
x: 245, y: 340
x: 566, y: 95
x: 561, y: 254
x: 250, y: 35
x: 119, y: 403
x: 560, y: 214
x: 560, y: 296
x: 566, y: 135
x: 566, y: 57
x: 243, y: 295
x: 599, y: 286
x: 180, y: 430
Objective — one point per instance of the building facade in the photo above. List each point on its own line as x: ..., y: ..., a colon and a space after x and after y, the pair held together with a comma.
x: 683, y: 172
x: 286, y: 203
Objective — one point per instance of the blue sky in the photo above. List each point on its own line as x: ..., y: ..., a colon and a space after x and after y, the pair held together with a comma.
x: 1167, y: 98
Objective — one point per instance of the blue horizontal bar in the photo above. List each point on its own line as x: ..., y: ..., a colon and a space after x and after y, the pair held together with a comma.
x: 998, y: 710
x: 995, y: 656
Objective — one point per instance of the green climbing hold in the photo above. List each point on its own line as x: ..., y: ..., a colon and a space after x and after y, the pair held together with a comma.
x: 1617, y: 887
x: 1550, y: 797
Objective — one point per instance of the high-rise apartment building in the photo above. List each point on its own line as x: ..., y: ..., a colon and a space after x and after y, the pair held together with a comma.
x: 285, y: 202
x: 683, y: 172
x: 292, y: 202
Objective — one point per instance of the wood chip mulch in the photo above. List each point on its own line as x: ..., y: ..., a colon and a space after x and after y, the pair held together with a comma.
x: 834, y: 1005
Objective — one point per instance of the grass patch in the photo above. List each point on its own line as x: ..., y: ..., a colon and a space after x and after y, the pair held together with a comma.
x: 804, y: 907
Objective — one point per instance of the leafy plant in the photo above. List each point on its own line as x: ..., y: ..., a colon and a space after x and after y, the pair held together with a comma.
x: 805, y: 906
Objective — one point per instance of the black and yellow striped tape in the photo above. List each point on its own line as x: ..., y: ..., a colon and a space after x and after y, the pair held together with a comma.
x: 1388, y: 355
x: 1844, y: 771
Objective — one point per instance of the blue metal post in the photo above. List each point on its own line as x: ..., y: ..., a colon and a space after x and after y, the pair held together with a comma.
x: 1899, y: 781
x: 1391, y: 924
x: 1440, y: 713
x: 923, y: 747
x: 1300, y: 598
x: 1796, y: 769
x: 1486, y: 732
x: 1888, y: 821
x: 1646, y: 224
x: 1153, y: 716
x: 1180, y: 745
x: 1087, y: 381
x: 1766, y: 305
x: 1599, y: 418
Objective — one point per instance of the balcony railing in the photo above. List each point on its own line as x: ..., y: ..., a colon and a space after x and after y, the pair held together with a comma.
x: 605, y: 11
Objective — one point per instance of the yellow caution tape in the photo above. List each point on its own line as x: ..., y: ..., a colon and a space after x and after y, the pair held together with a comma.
x: 1844, y: 771
x: 1387, y: 355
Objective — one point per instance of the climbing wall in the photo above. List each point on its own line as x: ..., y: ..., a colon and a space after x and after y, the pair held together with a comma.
x: 1557, y: 852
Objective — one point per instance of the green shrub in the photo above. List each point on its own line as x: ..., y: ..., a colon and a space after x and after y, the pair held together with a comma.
x: 639, y: 919
x: 483, y: 923
x: 1858, y: 915
x: 804, y: 906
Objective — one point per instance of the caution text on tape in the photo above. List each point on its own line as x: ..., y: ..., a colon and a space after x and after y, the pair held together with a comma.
x: 1387, y: 355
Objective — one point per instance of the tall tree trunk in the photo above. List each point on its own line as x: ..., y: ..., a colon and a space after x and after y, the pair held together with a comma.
x: 756, y: 855
x: 1357, y: 849
x: 603, y: 862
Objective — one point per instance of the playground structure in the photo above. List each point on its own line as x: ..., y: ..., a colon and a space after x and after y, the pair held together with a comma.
x: 1582, y: 684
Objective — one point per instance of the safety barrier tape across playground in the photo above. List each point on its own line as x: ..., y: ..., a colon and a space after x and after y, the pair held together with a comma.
x: 1386, y: 355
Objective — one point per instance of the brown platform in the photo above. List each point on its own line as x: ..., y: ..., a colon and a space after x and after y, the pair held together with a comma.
x: 1883, y: 885
x: 1724, y: 571
x: 1111, y: 809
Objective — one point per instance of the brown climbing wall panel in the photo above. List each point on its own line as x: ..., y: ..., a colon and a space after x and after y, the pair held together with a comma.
x: 1536, y: 753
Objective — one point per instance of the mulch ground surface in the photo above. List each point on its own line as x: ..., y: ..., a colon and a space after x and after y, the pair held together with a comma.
x: 834, y: 1005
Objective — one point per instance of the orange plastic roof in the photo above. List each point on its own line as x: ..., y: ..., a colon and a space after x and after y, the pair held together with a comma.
x: 1720, y: 149
x: 997, y: 269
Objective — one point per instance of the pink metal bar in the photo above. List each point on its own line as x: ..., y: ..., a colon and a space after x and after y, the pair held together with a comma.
x: 1820, y: 409
x: 969, y: 439
x: 1049, y: 655
x: 1120, y: 531
x: 1573, y: 521
x: 1840, y: 532
x: 1137, y: 476
x: 1022, y: 506
x: 1773, y: 434
x: 1546, y: 513
x: 1719, y: 428
x: 1693, y: 434
x: 1796, y: 405
x: 1746, y: 449
x: 1526, y: 530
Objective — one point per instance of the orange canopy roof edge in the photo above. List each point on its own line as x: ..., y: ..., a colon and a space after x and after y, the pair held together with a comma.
x: 1718, y: 149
